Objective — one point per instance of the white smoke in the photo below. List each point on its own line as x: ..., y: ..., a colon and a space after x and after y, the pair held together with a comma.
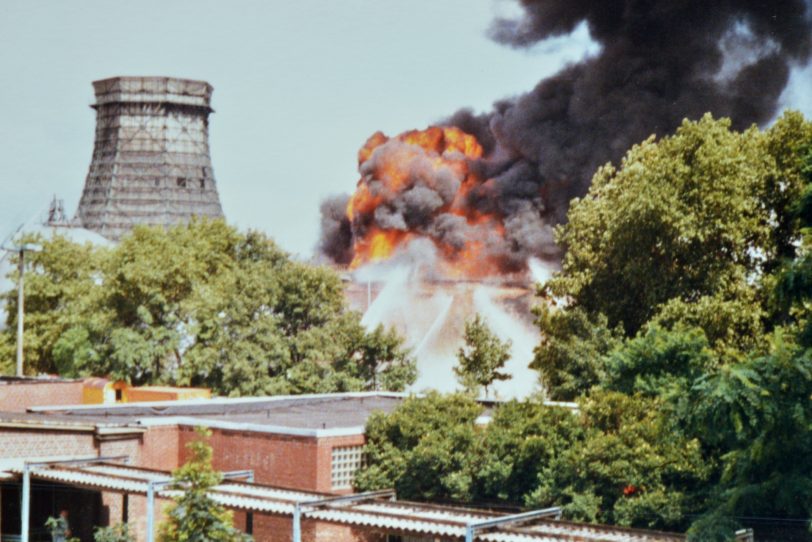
x: 430, y: 313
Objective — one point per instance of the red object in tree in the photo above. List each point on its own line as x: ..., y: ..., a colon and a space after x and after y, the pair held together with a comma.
x: 629, y: 490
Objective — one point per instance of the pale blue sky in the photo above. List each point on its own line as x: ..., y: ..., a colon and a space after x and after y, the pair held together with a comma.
x: 299, y: 86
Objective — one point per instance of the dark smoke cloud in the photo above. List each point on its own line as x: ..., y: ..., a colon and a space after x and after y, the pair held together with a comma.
x: 336, y: 233
x: 659, y: 62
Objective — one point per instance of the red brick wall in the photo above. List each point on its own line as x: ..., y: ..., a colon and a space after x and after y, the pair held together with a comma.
x: 279, y: 460
x: 161, y: 448
x: 20, y: 396
x: 274, y: 528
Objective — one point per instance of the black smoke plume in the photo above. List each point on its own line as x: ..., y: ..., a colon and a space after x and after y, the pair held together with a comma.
x: 659, y: 62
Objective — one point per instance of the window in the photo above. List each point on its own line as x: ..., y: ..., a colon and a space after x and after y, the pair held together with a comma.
x: 346, y: 460
x: 181, y: 182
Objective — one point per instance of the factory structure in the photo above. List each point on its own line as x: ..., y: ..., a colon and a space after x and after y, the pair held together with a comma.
x: 151, y: 162
x: 289, y: 465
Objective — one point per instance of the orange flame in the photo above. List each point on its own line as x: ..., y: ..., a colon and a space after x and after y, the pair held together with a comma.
x: 387, y: 174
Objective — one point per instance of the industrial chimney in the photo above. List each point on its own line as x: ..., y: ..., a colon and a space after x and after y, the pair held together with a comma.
x: 151, y: 161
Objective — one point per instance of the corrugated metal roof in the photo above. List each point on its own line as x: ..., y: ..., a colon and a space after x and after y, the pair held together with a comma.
x: 392, y: 516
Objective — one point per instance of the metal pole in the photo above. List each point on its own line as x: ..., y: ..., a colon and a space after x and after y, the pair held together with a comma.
x: 150, y: 512
x: 297, y: 523
x: 20, y: 310
x: 301, y: 508
x: 498, y: 521
x: 26, y: 504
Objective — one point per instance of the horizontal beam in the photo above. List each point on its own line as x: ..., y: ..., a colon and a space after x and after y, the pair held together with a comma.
x: 101, y: 459
x: 355, y: 497
x: 301, y: 508
x: 501, y: 521
x: 248, y: 474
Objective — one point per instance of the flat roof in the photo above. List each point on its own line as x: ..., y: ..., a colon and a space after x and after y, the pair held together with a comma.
x: 316, y: 415
x: 22, y: 380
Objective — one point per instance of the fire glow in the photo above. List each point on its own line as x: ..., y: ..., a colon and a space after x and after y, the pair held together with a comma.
x: 417, y: 185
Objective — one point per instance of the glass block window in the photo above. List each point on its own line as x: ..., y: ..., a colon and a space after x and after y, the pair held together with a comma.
x: 346, y: 460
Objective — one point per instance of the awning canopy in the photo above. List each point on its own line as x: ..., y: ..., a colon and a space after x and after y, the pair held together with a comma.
x: 390, y: 516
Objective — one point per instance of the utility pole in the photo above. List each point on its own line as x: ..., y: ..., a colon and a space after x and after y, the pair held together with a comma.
x: 21, y: 250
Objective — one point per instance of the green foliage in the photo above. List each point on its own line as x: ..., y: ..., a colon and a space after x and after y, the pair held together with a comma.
x: 682, y: 218
x: 194, y: 516
x: 789, y: 143
x: 519, y: 443
x: 757, y: 417
x: 8, y: 354
x: 200, y: 304
x: 422, y: 449
x: 59, y: 529
x: 570, y: 354
x: 530, y: 454
x: 114, y: 533
x: 61, y: 292
x: 629, y: 468
x: 481, y: 357
x: 696, y: 249
x: 659, y: 362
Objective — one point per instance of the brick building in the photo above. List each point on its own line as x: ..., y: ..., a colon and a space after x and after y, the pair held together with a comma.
x: 301, y: 449
x: 310, y: 442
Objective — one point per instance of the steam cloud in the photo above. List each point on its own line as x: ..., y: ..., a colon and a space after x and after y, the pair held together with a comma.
x: 659, y: 62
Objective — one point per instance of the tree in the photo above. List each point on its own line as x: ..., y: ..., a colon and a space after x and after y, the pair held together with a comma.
x: 194, y: 516
x: 115, y: 533
x: 481, y: 357
x: 659, y: 362
x: 628, y: 468
x: 517, y: 446
x: 570, y: 355
x: 61, y: 291
x: 681, y: 218
x: 756, y: 416
x: 686, y: 232
x: 618, y: 460
x: 423, y: 448
x: 201, y: 304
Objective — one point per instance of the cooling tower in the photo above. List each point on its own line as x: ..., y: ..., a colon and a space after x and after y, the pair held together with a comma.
x: 151, y: 162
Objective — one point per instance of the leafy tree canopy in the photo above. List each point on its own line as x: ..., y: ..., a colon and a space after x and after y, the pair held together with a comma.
x: 686, y: 232
x: 200, y: 304
x: 617, y: 461
x: 482, y: 356
x: 194, y: 516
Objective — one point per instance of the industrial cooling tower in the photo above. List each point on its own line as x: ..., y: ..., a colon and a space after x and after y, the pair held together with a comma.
x: 151, y: 162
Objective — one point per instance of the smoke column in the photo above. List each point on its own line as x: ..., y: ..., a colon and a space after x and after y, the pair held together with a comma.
x: 659, y: 62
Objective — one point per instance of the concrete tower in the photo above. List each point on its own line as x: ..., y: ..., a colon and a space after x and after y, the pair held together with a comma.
x: 151, y: 162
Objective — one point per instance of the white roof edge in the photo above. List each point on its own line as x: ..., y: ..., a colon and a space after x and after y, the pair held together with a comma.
x: 253, y: 427
x: 224, y: 400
